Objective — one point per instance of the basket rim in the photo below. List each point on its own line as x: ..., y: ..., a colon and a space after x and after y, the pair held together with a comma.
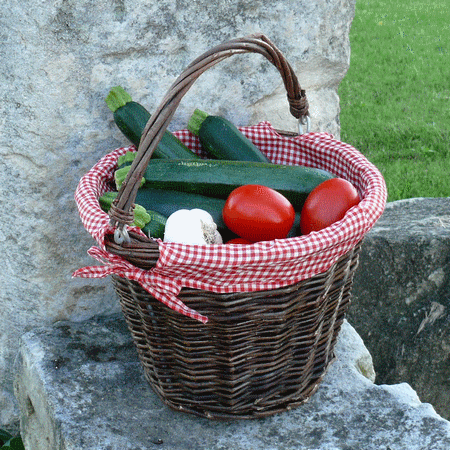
x: 256, y: 266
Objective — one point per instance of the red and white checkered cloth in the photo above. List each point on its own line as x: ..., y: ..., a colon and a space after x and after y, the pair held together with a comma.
x: 242, y: 268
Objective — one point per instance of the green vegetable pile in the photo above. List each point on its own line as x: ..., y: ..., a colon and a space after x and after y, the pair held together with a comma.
x: 176, y: 178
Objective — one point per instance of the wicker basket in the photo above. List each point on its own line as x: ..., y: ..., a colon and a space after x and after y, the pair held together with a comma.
x: 262, y: 351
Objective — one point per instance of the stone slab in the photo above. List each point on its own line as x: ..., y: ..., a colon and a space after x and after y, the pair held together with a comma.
x: 401, y: 297
x: 80, y: 386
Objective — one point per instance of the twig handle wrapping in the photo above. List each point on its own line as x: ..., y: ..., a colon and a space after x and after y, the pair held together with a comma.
x: 161, y: 118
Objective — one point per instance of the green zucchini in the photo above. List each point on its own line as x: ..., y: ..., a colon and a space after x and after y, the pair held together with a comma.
x: 218, y: 178
x: 223, y: 140
x: 121, y: 173
x: 131, y: 118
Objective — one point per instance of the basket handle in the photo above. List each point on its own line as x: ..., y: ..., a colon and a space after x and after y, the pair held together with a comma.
x: 121, y: 210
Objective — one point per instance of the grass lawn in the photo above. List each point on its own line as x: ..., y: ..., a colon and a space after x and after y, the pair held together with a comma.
x: 395, y: 98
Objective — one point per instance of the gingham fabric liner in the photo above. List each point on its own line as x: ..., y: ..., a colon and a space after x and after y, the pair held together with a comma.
x: 241, y: 268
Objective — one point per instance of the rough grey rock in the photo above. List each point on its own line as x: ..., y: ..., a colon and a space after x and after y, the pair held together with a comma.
x: 59, y: 59
x: 401, y: 297
x: 80, y: 386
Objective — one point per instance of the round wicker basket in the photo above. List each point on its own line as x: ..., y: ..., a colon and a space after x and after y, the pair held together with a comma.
x: 262, y: 351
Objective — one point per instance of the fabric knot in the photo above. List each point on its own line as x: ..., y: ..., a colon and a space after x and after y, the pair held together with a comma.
x: 165, y: 291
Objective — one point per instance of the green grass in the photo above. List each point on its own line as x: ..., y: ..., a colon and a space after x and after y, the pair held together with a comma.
x: 395, y: 98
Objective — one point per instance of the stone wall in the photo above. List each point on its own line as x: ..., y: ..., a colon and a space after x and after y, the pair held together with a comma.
x: 401, y: 297
x: 59, y: 60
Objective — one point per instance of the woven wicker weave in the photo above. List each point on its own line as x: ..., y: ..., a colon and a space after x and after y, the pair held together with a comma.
x: 261, y: 352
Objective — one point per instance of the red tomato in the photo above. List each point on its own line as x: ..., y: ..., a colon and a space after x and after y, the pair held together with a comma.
x: 258, y: 213
x: 327, y: 204
x: 239, y: 241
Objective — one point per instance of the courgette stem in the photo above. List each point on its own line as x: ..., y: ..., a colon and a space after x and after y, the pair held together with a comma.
x: 196, y: 120
x: 126, y: 159
x: 120, y: 175
x: 117, y: 98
